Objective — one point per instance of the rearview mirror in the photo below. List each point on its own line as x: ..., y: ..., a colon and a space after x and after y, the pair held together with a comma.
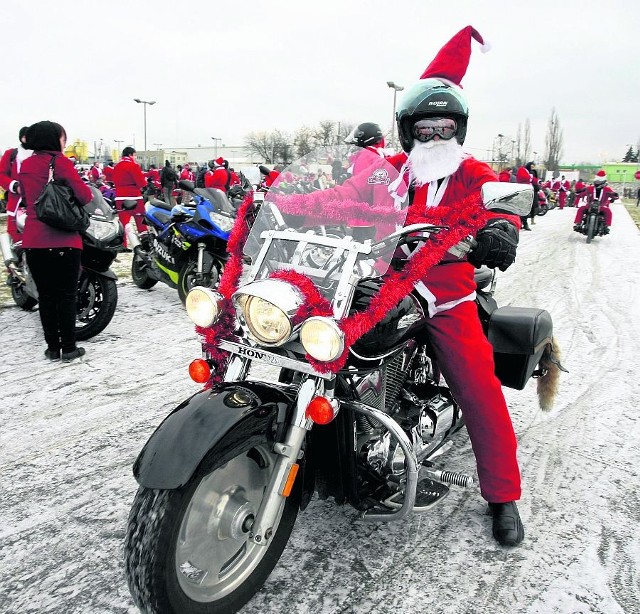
x: 502, y: 197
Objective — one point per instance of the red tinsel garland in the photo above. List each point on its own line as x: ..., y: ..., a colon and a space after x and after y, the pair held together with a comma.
x: 467, y: 217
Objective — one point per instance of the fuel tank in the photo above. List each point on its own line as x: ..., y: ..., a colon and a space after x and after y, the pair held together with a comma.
x: 399, y: 324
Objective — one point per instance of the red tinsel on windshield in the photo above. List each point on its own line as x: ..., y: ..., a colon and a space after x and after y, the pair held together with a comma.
x: 466, y: 218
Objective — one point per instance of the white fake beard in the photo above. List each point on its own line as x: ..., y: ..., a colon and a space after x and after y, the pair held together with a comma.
x: 434, y: 159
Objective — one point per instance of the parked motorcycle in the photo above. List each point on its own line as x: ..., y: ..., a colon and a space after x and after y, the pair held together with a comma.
x: 343, y: 400
x: 97, y: 296
x: 184, y: 246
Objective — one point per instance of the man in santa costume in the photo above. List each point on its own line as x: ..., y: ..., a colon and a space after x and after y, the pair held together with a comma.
x: 432, y: 125
x: 563, y: 189
x: 9, y: 168
x: 604, y: 194
x: 218, y: 177
x: 581, y: 190
x: 368, y: 136
x: 186, y: 174
x: 129, y: 181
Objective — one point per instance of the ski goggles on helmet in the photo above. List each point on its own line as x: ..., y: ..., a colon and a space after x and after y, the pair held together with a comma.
x: 425, y: 129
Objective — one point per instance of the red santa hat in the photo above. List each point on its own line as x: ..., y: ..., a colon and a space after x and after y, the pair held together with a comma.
x: 452, y: 61
x: 601, y: 176
x: 523, y: 175
x: 219, y: 161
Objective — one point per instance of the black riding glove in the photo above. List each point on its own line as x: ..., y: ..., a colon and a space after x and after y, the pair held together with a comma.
x: 496, y: 247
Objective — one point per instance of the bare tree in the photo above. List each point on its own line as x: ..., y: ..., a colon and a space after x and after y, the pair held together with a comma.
x: 519, y: 147
x: 283, y: 147
x: 553, y: 143
x: 526, y: 143
x: 261, y: 144
x: 303, y: 141
x: 325, y: 133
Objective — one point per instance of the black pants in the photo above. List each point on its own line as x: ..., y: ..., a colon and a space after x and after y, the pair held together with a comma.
x: 55, y: 272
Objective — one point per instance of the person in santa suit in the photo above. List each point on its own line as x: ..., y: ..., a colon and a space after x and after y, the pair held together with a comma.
x: 555, y: 188
x: 186, y: 174
x: 505, y: 175
x: 10, y: 164
x: 563, y: 191
x: 94, y: 173
x: 598, y: 191
x: 129, y: 181
x: 432, y: 125
x: 269, y: 176
x: 581, y: 190
x: 368, y: 137
x: 218, y: 177
x: 107, y: 171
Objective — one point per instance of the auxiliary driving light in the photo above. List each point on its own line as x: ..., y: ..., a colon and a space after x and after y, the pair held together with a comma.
x: 203, y: 306
x: 322, y: 338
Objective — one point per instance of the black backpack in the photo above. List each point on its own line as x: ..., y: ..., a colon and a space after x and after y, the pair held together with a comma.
x: 202, y: 171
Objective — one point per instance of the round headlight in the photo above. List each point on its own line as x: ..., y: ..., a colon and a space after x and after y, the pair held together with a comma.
x: 267, y: 323
x: 203, y: 306
x: 322, y: 338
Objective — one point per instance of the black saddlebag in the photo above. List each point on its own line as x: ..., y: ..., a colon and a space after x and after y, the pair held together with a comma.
x: 519, y: 336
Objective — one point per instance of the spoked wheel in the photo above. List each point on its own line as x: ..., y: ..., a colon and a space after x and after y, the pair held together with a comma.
x: 591, y: 228
x: 140, y: 269
x: 187, y: 279
x: 95, y: 304
x: 188, y: 550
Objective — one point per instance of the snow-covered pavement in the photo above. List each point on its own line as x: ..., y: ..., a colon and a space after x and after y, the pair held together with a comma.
x: 70, y: 434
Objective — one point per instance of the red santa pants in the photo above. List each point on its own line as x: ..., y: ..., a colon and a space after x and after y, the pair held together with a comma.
x: 465, y: 357
x: 562, y: 199
x: 137, y: 213
x: 604, y: 209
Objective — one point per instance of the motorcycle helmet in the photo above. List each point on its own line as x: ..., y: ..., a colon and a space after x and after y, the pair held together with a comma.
x: 600, y: 178
x: 364, y: 134
x: 426, y: 99
x: 211, y: 164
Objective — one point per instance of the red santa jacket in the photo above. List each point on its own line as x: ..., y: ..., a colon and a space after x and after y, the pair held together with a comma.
x: 186, y: 174
x: 605, y: 195
x: 218, y: 178
x: 94, y: 173
x: 128, y: 179
x: 9, y: 179
x: 33, y: 176
x: 107, y: 171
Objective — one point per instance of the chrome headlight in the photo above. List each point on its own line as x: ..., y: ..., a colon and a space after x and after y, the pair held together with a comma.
x: 203, y: 306
x: 222, y: 221
x: 266, y: 308
x: 322, y: 338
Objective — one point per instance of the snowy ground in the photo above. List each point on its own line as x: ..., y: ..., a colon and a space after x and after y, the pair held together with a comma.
x: 70, y: 434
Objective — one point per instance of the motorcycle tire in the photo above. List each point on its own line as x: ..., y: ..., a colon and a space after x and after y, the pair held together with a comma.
x: 542, y: 210
x: 187, y: 281
x: 95, y: 306
x: 21, y: 298
x: 188, y: 550
x: 139, y: 269
x: 591, y: 228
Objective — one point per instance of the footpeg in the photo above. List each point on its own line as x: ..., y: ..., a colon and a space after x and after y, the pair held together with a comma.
x: 428, y: 494
x: 449, y: 477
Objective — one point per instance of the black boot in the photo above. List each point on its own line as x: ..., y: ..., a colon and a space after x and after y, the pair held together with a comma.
x: 507, y: 526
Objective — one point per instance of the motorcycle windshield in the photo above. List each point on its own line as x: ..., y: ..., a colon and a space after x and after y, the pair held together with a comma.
x: 325, y: 210
x: 217, y: 198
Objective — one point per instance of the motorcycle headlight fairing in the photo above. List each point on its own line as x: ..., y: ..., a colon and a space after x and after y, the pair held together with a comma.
x: 322, y: 338
x: 266, y: 307
x: 203, y: 306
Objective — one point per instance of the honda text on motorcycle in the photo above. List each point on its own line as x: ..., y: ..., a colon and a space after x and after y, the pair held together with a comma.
x: 314, y: 383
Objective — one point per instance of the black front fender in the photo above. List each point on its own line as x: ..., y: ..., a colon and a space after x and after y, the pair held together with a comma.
x: 177, y: 447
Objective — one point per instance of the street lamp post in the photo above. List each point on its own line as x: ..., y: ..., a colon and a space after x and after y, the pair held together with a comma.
x: 145, y: 103
x: 216, y: 139
x: 396, y: 88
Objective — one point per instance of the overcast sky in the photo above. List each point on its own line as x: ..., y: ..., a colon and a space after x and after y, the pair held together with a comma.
x: 223, y: 69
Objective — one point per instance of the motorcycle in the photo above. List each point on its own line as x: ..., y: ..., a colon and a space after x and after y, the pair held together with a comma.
x: 184, y: 246
x: 592, y: 223
x: 97, y: 296
x: 343, y: 400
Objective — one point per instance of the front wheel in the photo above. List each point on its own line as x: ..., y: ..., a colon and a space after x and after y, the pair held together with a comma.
x: 542, y: 210
x: 20, y: 295
x: 591, y: 228
x: 95, y: 304
x: 140, y: 267
x: 188, y: 550
x: 188, y: 278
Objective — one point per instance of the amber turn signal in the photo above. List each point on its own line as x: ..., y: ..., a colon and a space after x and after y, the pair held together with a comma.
x: 199, y: 371
x: 320, y: 410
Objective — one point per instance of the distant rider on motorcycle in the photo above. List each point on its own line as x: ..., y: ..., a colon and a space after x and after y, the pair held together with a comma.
x: 599, y: 191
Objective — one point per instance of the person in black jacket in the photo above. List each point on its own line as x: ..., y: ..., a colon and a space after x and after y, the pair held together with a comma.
x: 168, y: 181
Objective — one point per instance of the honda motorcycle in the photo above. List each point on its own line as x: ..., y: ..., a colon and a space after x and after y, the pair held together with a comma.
x: 185, y: 245
x: 343, y: 400
x: 97, y: 296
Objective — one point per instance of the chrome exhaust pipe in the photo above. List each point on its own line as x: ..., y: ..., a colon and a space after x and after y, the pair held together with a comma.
x: 8, y: 255
x: 131, y: 230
